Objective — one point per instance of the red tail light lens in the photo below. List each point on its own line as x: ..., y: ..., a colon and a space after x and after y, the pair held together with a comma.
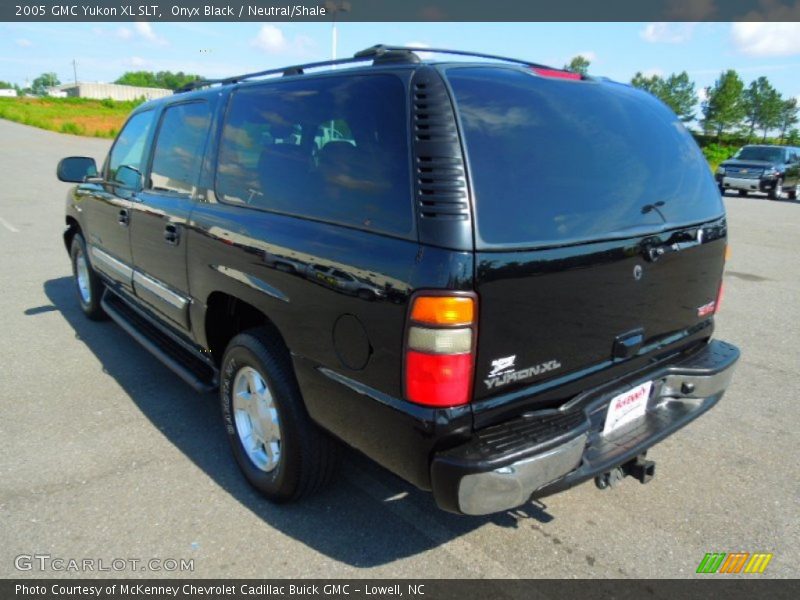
x: 438, y: 379
x: 720, y: 294
x: 440, y: 342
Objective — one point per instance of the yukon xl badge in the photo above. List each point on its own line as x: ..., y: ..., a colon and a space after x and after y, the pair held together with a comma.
x: 503, y: 372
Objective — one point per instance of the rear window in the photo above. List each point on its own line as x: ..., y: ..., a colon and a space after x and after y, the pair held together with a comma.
x: 555, y: 162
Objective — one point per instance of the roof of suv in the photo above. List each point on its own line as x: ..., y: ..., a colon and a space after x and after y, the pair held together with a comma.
x: 379, y: 55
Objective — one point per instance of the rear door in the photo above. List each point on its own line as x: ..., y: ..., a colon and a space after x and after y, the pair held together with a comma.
x: 108, y: 207
x: 158, y: 230
x: 599, y: 226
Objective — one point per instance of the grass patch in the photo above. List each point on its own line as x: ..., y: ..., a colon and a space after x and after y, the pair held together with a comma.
x: 77, y: 116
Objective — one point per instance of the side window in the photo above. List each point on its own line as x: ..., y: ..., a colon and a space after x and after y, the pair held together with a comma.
x: 178, y: 153
x: 128, y: 150
x: 332, y: 148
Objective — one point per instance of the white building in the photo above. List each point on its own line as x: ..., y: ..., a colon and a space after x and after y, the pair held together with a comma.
x: 101, y: 91
x: 8, y: 93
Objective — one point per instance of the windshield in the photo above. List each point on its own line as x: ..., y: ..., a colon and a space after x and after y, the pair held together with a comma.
x: 764, y: 153
x: 556, y: 162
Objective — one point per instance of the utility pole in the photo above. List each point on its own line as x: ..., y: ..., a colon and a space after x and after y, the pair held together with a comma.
x: 335, y: 8
x: 75, y: 71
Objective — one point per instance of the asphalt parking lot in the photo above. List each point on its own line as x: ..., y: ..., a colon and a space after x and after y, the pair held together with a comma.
x: 105, y: 454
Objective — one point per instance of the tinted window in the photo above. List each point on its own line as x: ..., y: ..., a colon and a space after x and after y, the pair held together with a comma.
x: 556, y: 161
x: 331, y: 148
x: 765, y: 153
x: 128, y: 150
x: 178, y: 152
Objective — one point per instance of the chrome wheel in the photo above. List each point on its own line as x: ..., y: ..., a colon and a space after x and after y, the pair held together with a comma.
x: 256, y: 418
x: 82, y: 276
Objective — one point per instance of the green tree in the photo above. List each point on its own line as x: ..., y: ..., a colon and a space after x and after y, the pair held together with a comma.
x: 788, y: 116
x: 579, y: 64
x: 676, y: 91
x: 162, y: 79
x: 42, y: 83
x: 4, y: 85
x: 724, y: 105
x: 650, y: 84
x: 763, y: 106
x: 793, y: 139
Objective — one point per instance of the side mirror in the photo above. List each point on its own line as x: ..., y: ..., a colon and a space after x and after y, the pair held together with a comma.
x: 128, y: 177
x: 75, y: 169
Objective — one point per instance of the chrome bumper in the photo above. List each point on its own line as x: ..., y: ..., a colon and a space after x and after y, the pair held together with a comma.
x: 740, y: 183
x: 507, y: 487
x: 681, y: 393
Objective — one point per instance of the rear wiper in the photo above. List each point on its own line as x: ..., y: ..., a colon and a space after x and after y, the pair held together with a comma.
x: 647, y: 208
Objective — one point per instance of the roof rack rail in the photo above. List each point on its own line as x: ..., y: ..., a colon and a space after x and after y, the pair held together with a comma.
x: 381, y: 49
x: 378, y: 54
x: 286, y: 71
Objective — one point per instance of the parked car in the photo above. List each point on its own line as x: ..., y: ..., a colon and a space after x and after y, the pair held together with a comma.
x: 545, y: 326
x: 774, y: 170
x: 346, y: 283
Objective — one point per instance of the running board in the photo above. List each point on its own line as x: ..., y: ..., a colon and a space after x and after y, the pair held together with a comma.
x: 187, y: 365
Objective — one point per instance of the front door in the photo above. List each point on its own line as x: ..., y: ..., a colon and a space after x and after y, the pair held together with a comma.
x: 108, y: 205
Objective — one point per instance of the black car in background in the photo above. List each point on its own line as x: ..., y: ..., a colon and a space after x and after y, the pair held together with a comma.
x: 774, y: 170
x: 400, y: 256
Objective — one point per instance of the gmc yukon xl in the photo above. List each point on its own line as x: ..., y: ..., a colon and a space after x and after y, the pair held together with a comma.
x: 496, y: 279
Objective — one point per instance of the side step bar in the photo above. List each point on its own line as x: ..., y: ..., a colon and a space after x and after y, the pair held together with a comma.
x: 186, y: 364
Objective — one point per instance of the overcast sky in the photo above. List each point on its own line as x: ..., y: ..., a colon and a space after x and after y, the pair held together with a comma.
x: 103, y: 51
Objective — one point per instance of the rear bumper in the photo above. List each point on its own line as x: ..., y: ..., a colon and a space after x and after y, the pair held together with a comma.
x: 549, y: 451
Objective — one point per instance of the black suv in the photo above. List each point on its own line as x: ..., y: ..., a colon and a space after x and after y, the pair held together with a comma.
x: 402, y: 256
x: 774, y: 170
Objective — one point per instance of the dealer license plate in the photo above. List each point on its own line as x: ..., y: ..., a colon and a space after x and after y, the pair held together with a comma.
x: 627, y: 407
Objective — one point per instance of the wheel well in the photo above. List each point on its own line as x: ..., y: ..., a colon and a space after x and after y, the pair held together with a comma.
x: 72, y: 229
x: 226, y: 316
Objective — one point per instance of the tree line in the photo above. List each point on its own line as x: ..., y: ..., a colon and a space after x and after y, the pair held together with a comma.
x: 728, y: 107
x: 161, y: 79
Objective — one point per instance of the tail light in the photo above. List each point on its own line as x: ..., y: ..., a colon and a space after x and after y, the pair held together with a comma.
x: 556, y: 74
x: 440, y: 349
x: 720, y: 294
x: 721, y: 289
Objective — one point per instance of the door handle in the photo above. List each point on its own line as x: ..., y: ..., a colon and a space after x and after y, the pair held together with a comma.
x: 123, y: 218
x: 172, y: 235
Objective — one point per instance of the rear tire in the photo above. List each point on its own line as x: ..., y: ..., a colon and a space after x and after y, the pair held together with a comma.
x: 743, y: 192
x: 794, y: 193
x: 280, y: 451
x: 88, y: 285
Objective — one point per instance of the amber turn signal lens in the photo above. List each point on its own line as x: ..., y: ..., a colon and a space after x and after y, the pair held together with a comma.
x: 727, y: 253
x: 443, y: 310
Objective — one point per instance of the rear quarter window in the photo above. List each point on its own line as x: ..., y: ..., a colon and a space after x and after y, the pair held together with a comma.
x: 555, y: 162
x: 333, y: 149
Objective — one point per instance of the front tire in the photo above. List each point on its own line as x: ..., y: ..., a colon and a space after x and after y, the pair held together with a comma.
x: 776, y: 193
x: 743, y: 193
x: 87, y: 283
x: 280, y: 451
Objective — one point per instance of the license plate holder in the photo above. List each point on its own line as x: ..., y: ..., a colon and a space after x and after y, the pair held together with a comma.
x: 627, y: 407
